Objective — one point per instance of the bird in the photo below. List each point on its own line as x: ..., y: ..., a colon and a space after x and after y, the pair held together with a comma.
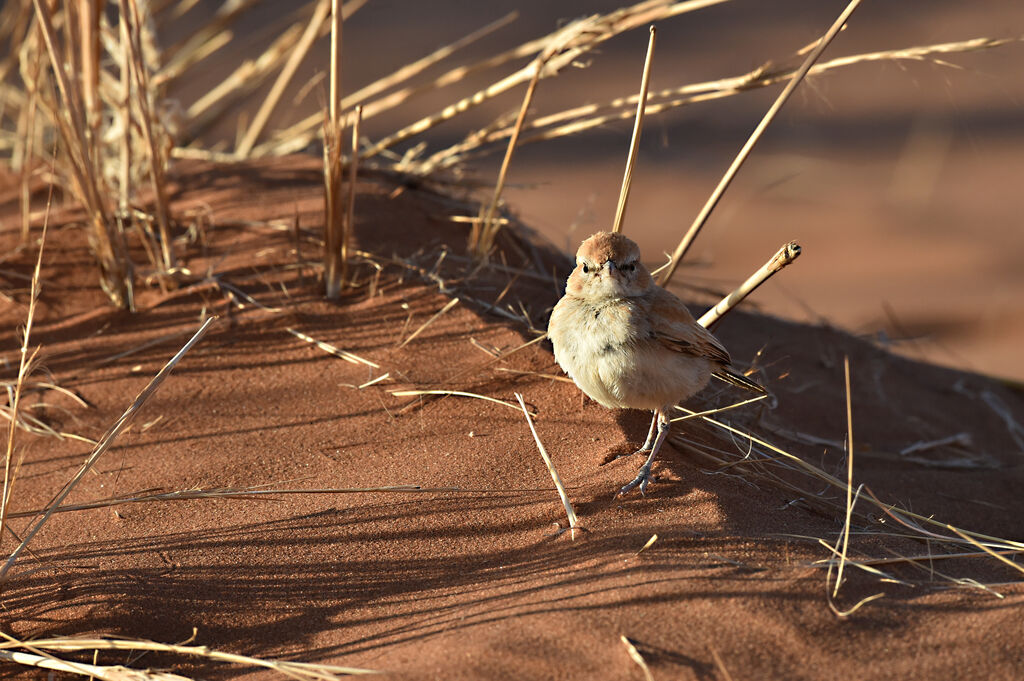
x: 628, y: 343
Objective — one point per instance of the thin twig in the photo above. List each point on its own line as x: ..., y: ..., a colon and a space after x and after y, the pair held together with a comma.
x: 849, y: 478
x: 105, y: 443
x: 785, y: 255
x: 638, y: 124
x: 783, y: 97
x: 449, y: 305
x: 457, y: 393
x: 290, y: 67
x: 482, y: 236
x: 569, y: 511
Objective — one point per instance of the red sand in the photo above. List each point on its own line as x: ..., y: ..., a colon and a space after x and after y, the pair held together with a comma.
x: 477, y: 583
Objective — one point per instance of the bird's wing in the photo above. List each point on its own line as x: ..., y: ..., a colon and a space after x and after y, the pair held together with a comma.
x: 675, y: 328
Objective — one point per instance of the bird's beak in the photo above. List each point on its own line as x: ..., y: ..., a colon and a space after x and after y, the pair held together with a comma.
x: 610, y: 264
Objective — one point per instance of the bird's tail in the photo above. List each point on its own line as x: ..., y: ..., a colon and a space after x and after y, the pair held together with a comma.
x: 739, y: 380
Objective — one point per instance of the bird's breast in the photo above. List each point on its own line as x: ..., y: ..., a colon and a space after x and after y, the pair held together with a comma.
x: 610, y: 352
x: 596, y: 344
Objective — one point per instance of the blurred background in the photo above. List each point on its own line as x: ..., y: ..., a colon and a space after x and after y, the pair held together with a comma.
x: 900, y: 179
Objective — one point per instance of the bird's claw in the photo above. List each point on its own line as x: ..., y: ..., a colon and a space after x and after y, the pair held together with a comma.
x: 642, y: 450
x: 641, y: 480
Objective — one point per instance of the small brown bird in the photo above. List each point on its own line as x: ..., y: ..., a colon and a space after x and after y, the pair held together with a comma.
x: 628, y: 343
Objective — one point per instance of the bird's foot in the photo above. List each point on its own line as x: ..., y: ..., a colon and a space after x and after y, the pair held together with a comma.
x: 641, y: 480
x: 643, y: 450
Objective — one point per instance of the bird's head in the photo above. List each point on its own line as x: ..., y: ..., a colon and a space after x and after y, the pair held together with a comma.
x: 608, y: 266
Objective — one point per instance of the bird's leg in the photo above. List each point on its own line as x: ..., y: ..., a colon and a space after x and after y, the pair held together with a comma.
x: 644, y: 476
x: 649, y: 442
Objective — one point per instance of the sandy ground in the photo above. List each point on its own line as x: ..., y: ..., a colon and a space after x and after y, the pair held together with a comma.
x: 471, y: 578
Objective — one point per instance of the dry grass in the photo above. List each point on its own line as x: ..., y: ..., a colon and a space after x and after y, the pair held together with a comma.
x: 25, y: 365
x: 103, y: 445
x: 295, y: 59
x: 744, y: 152
x: 39, y: 657
x: 336, y: 235
x: 570, y: 512
x: 580, y: 119
x: 634, y: 143
x: 752, y: 457
x: 635, y: 655
x: 117, y: 140
x: 784, y: 257
x: 114, y: 139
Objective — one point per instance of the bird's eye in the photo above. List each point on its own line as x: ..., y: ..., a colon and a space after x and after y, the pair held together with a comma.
x: 629, y: 268
x: 585, y: 269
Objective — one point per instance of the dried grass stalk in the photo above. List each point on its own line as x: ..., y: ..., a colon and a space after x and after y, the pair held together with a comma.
x: 152, y: 135
x: 335, y: 234
x: 776, y: 106
x: 782, y: 258
x: 353, y: 174
x: 635, y: 655
x: 25, y: 365
x: 304, y: 671
x: 320, y: 14
x: 105, y: 672
x: 481, y: 238
x: 591, y: 116
x: 634, y: 143
x: 570, y: 512
x: 301, y: 134
x: 249, y: 75
x: 336, y: 27
x: 104, y: 444
x: 845, y: 538
x: 83, y: 167
x: 333, y: 350
x: 567, y: 44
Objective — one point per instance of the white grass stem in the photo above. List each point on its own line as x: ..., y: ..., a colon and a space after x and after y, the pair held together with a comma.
x: 336, y: 27
x: 449, y: 305
x: 569, y: 511
x: 457, y: 393
x: 634, y: 143
x: 333, y: 350
x: 106, y: 673
x: 849, y: 479
x: 296, y: 670
x: 635, y: 655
